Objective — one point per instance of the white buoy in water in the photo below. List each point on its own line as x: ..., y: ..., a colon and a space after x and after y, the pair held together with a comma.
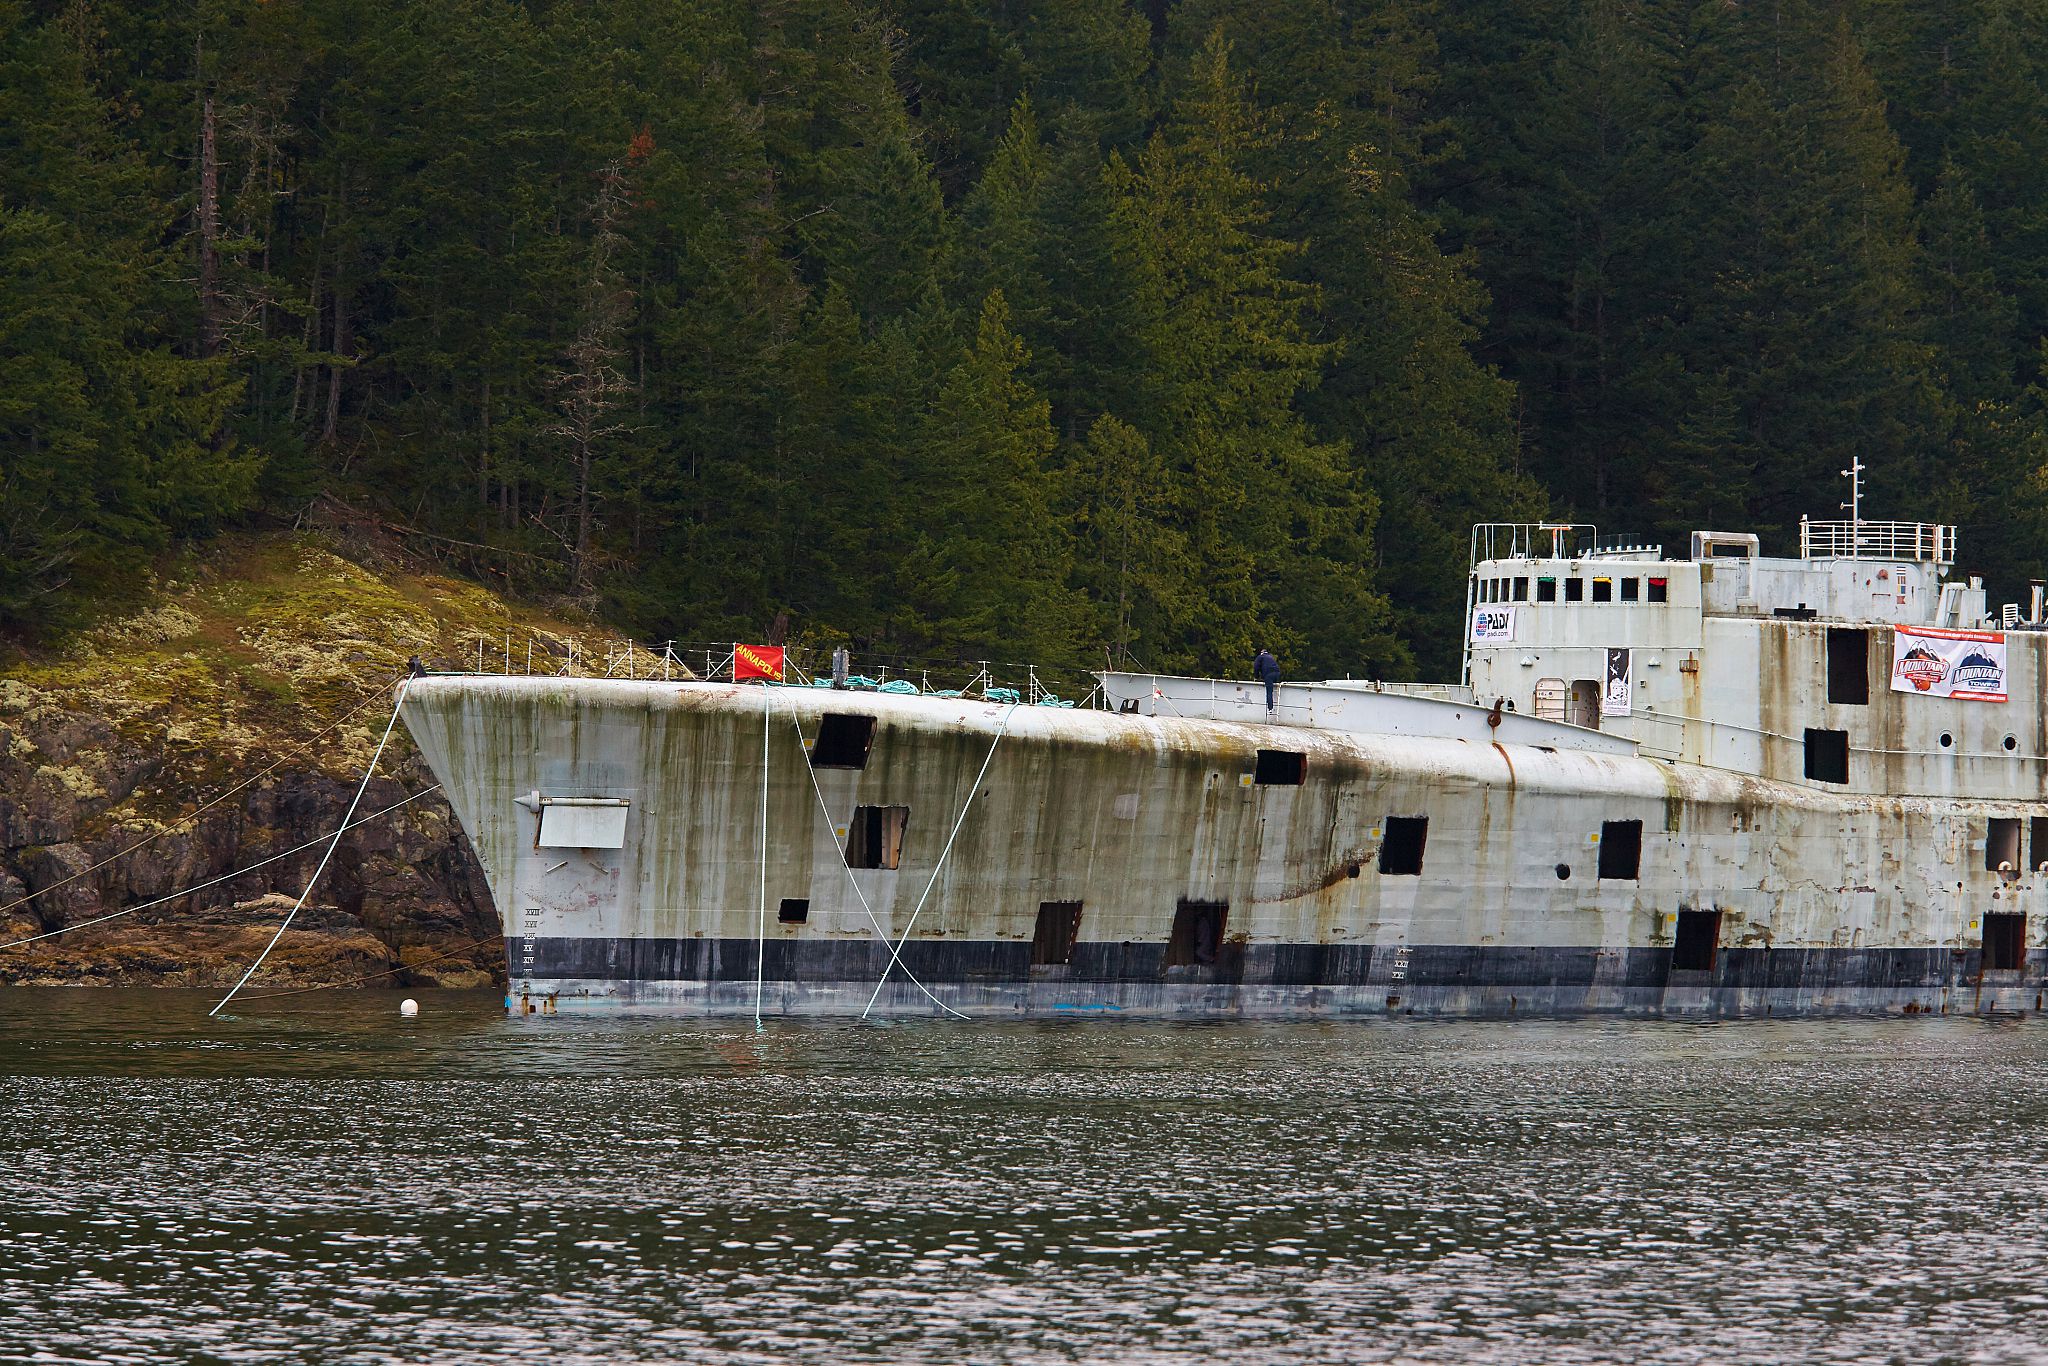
x: 408, y: 1007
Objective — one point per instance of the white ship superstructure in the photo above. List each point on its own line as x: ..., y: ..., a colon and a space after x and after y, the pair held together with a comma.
x: 1720, y: 783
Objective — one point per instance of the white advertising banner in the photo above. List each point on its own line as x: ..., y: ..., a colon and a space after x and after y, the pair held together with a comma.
x: 1966, y: 665
x: 1493, y: 625
x: 1618, y: 695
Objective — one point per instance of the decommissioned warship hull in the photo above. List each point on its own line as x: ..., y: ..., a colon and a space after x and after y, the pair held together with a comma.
x: 704, y: 848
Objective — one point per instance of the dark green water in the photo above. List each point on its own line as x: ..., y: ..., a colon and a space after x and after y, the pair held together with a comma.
x: 319, y: 1181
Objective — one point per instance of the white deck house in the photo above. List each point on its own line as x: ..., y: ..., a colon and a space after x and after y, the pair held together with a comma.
x: 1784, y: 668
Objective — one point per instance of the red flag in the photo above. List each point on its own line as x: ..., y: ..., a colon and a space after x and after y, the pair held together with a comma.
x: 756, y: 661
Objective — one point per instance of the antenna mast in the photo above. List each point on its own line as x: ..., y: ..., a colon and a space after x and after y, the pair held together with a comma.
x: 1854, y: 507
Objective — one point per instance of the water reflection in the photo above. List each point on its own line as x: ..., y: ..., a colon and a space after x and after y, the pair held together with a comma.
x: 317, y: 1179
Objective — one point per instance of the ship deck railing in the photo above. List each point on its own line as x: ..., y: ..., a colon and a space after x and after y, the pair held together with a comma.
x: 1921, y: 542
x: 538, y: 655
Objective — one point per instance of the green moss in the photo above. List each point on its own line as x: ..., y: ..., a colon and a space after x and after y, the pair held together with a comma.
x: 250, y: 648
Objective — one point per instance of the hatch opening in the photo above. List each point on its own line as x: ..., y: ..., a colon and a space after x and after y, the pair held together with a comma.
x: 2005, y: 941
x: 1280, y: 768
x: 1621, y: 850
x: 1401, y: 845
x: 1848, y: 666
x: 1697, y: 937
x: 1059, y: 925
x: 1827, y: 755
x: 2002, y: 845
x: 794, y: 910
x: 874, y: 838
x: 843, y: 741
x: 1197, y: 938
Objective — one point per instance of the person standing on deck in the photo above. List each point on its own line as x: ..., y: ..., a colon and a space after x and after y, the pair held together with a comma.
x: 1267, y: 670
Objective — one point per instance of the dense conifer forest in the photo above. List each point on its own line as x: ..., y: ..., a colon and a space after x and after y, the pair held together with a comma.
x: 1033, y: 328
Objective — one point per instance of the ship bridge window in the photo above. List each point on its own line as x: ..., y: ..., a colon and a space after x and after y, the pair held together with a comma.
x: 1848, y: 666
x: 1521, y: 593
x: 1693, y: 945
x: 1603, y: 590
x: 2002, y: 845
x: 2005, y: 941
x: 1546, y: 590
x: 874, y: 839
x: 1621, y: 850
x: 1631, y: 589
x: 1827, y: 755
x: 1280, y: 768
x: 1574, y: 590
x: 1401, y: 845
x: 1197, y: 937
x: 1059, y: 925
x: 843, y: 741
x: 1659, y: 590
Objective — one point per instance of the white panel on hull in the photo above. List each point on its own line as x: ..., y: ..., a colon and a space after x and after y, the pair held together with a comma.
x: 582, y: 823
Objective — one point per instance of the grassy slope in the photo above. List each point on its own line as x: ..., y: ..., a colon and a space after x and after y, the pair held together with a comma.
x: 241, y: 653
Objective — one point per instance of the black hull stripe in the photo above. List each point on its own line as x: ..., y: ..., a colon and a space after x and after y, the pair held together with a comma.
x: 983, y: 963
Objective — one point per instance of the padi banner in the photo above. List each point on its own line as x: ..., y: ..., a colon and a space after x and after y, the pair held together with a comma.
x: 1967, y: 665
x: 1617, y: 696
x: 1492, y: 625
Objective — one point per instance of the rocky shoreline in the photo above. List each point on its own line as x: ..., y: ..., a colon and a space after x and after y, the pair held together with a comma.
x: 250, y: 690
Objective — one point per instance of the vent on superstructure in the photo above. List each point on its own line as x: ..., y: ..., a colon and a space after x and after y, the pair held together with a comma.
x: 1197, y: 938
x: 1280, y: 768
x: 1059, y: 925
x: 843, y: 741
x: 1694, y: 943
x: 2005, y: 941
x: 874, y: 839
x: 1401, y: 845
x: 1621, y: 850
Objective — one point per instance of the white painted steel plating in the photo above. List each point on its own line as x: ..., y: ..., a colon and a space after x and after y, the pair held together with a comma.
x: 1727, y: 660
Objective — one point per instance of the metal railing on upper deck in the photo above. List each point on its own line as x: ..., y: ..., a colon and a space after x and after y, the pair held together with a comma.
x: 1924, y: 542
x: 1532, y: 540
x: 536, y: 655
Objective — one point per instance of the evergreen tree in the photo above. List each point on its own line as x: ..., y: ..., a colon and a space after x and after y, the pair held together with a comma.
x: 988, y: 567
x: 110, y: 441
x: 1273, y: 515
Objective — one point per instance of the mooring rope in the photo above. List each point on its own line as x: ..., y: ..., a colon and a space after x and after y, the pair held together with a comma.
x: 193, y: 815
x: 216, y: 881
x: 332, y: 844
x: 940, y: 866
x: 761, y: 911
x: 839, y: 851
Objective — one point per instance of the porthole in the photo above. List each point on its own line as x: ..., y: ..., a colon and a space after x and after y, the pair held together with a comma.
x: 2011, y: 743
x: 1947, y: 739
x: 1564, y: 871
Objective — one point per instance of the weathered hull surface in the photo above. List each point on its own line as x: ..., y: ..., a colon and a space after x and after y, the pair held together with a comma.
x: 1201, y: 891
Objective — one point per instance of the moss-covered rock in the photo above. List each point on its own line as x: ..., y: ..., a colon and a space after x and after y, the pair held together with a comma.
x: 224, y: 723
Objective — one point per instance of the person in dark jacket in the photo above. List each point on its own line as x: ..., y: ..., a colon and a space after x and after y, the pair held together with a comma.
x: 1267, y: 670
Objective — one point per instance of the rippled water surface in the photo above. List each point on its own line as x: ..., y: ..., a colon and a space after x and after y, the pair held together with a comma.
x: 318, y: 1180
